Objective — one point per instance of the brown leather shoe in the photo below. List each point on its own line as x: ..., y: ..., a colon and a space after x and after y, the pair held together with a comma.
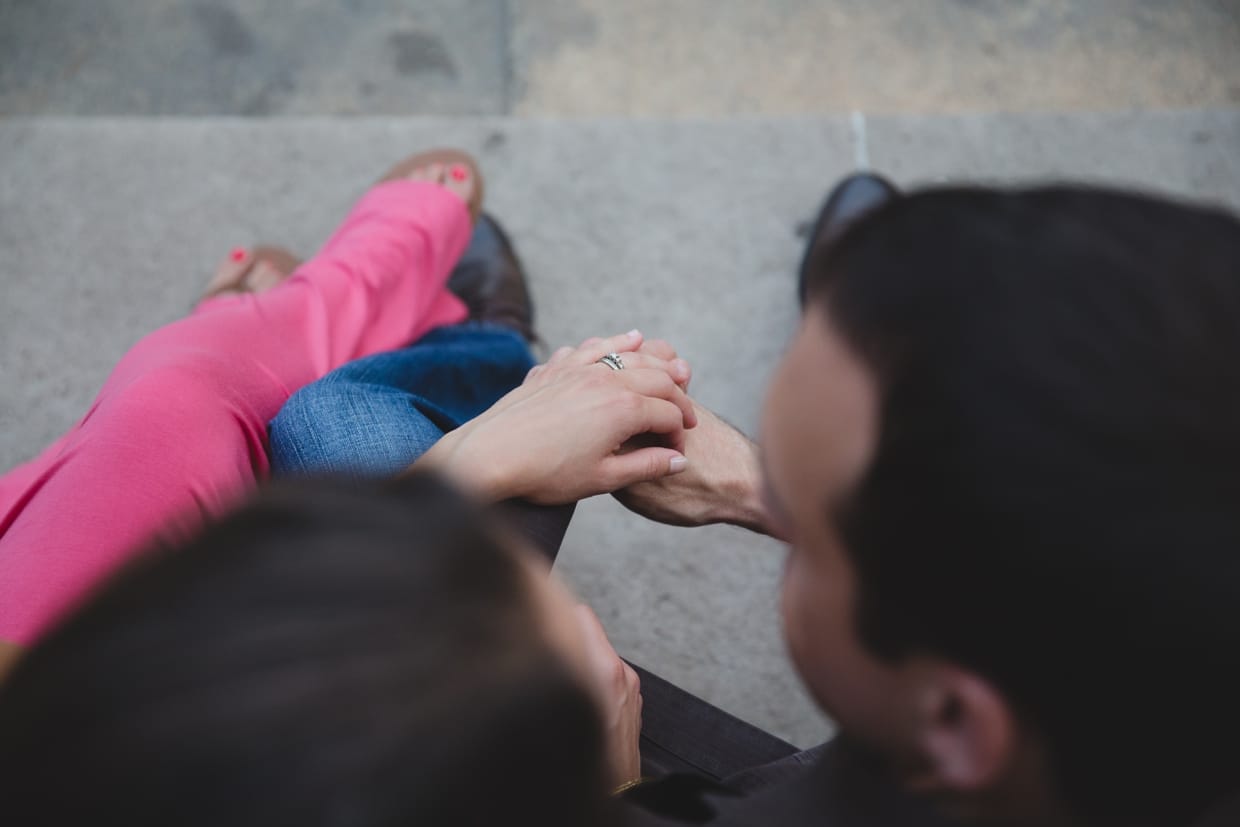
x: 490, y: 280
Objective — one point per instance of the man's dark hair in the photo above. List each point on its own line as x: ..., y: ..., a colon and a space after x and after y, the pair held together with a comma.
x: 332, y: 654
x: 1055, y: 497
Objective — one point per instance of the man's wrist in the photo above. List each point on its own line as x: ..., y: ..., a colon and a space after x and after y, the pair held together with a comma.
x: 740, y: 502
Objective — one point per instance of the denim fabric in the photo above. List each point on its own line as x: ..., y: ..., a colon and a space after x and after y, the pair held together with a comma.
x: 375, y: 416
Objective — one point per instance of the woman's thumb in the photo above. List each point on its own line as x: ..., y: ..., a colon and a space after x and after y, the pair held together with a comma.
x: 646, y: 464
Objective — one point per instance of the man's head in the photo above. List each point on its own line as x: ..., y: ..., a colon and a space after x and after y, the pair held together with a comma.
x: 1006, y: 444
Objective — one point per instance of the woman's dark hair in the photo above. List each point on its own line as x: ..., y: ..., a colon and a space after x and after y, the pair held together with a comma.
x: 1055, y: 497
x: 331, y: 654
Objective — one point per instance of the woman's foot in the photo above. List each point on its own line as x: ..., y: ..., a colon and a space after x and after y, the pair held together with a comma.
x: 251, y: 271
x: 488, y: 277
x: 452, y: 169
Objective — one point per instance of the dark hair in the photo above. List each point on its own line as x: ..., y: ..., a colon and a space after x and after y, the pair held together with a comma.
x: 1055, y: 497
x: 331, y: 654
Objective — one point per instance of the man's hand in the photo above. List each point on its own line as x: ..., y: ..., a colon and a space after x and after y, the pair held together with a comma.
x: 619, y: 691
x: 556, y: 438
x: 721, y: 484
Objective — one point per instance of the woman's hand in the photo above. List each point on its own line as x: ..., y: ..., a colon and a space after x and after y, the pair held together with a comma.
x: 620, y: 693
x: 653, y: 353
x: 557, y: 437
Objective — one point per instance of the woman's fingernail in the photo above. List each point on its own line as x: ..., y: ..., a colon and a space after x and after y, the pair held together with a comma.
x: 634, y: 334
x: 682, y: 368
x: 237, y: 254
x: 678, y: 464
x: 459, y: 172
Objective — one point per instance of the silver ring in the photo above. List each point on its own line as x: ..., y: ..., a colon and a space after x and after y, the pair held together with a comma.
x: 612, y: 360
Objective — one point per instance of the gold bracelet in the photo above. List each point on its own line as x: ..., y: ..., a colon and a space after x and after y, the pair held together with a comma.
x: 627, y: 785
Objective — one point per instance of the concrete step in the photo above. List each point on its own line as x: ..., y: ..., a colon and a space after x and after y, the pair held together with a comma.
x: 599, y: 57
x: 687, y: 229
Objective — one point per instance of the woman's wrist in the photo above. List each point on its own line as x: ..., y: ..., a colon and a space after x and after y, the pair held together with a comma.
x: 454, y: 457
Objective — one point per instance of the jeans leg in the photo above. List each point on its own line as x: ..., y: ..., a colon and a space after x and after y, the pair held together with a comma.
x: 376, y: 416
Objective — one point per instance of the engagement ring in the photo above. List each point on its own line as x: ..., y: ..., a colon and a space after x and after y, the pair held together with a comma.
x: 612, y: 360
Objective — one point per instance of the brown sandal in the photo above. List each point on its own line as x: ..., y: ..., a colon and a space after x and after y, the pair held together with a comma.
x: 279, y: 258
x: 447, y: 157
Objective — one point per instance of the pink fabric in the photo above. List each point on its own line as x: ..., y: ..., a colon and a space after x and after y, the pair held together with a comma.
x: 179, y: 430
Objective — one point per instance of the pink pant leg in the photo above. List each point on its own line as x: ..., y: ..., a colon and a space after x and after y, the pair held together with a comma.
x: 179, y: 430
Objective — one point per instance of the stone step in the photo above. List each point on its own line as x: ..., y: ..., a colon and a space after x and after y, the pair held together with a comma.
x: 687, y: 229
x: 599, y: 57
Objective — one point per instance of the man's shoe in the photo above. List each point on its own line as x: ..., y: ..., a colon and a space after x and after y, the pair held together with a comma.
x: 490, y: 280
x: 857, y: 196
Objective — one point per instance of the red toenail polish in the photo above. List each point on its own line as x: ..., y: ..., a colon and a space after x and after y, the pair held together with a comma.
x: 459, y: 173
x: 237, y: 254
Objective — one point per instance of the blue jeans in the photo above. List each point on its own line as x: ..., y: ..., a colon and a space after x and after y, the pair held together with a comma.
x: 374, y: 416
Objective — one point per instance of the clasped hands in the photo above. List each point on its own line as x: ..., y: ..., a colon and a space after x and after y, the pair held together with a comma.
x: 575, y: 428
x: 558, y: 436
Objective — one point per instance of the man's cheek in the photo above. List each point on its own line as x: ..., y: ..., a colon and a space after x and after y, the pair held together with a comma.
x: 797, y: 622
x: 810, y: 633
x: 787, y: 599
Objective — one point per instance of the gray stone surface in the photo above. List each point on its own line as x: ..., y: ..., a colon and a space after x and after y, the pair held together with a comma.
x: 716, y: 57
x: 253, y: 57
x: 1194, y: 154
x: 686, y: 229
x: 600, y: 57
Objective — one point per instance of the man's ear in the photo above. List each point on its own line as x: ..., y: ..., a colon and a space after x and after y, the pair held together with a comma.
x: 966, y: 732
